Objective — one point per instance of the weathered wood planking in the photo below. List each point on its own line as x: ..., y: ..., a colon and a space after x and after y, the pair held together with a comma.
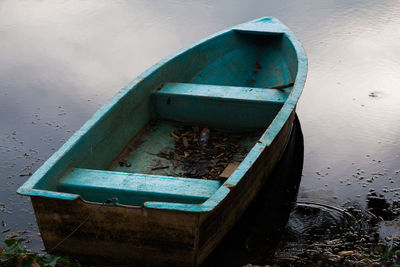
x: 118, y: 234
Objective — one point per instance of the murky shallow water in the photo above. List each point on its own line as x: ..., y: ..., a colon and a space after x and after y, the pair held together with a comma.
x: 61, y: 60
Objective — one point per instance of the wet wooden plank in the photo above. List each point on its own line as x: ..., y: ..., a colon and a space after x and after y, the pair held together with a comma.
x: 229, y: 169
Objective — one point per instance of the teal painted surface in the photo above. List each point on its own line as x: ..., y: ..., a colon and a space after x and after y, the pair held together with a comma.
x: 142, y: 152
x: 263, y: 26
x: 224, y: 93
x: 237, y: 66
x: 223, y: 107
x: 135, y: 189
x: 144, y: 157
x: 227, y: 58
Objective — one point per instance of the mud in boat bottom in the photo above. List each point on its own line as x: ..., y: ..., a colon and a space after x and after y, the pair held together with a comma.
x: 174, y: 149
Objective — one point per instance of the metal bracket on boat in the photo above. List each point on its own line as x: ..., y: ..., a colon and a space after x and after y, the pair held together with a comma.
x: 112, y: 201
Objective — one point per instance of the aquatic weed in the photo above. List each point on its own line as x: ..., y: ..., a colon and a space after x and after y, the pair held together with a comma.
x: 15, y: 255
x: 391, y: 257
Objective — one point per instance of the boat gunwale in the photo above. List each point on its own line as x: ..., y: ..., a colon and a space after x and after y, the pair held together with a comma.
x: 264, y: 142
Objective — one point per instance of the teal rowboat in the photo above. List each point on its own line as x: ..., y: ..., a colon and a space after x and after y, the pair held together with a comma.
x: 103, y: 185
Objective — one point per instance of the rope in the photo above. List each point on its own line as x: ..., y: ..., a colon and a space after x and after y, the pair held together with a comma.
x: 107, y: 201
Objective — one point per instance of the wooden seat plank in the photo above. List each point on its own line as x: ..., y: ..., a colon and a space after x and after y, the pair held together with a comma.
x: 135, y: 189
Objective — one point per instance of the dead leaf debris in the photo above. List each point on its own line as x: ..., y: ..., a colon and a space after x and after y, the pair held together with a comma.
x: 223, y: 150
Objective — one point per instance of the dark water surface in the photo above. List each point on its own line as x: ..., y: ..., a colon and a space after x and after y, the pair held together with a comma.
x: 61, y: 60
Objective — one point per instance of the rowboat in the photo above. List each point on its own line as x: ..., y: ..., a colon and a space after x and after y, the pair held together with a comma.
x: 120, y: 190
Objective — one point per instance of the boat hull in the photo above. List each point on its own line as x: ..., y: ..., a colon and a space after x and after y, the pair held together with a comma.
x: 150, y: 236
x: 243, y: 80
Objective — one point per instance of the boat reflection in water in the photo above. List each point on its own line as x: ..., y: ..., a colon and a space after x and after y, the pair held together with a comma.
x: 258, y: 233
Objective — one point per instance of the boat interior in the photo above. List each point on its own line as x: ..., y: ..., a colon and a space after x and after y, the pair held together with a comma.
x: 235, y: 82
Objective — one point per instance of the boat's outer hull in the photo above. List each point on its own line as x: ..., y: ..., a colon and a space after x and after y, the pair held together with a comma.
x: 148, y: 236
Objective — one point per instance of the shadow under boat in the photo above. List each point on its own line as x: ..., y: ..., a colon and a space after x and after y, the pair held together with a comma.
x: 256, y: 236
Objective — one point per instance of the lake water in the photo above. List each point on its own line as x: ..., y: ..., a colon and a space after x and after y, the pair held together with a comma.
x: 62, y: 60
